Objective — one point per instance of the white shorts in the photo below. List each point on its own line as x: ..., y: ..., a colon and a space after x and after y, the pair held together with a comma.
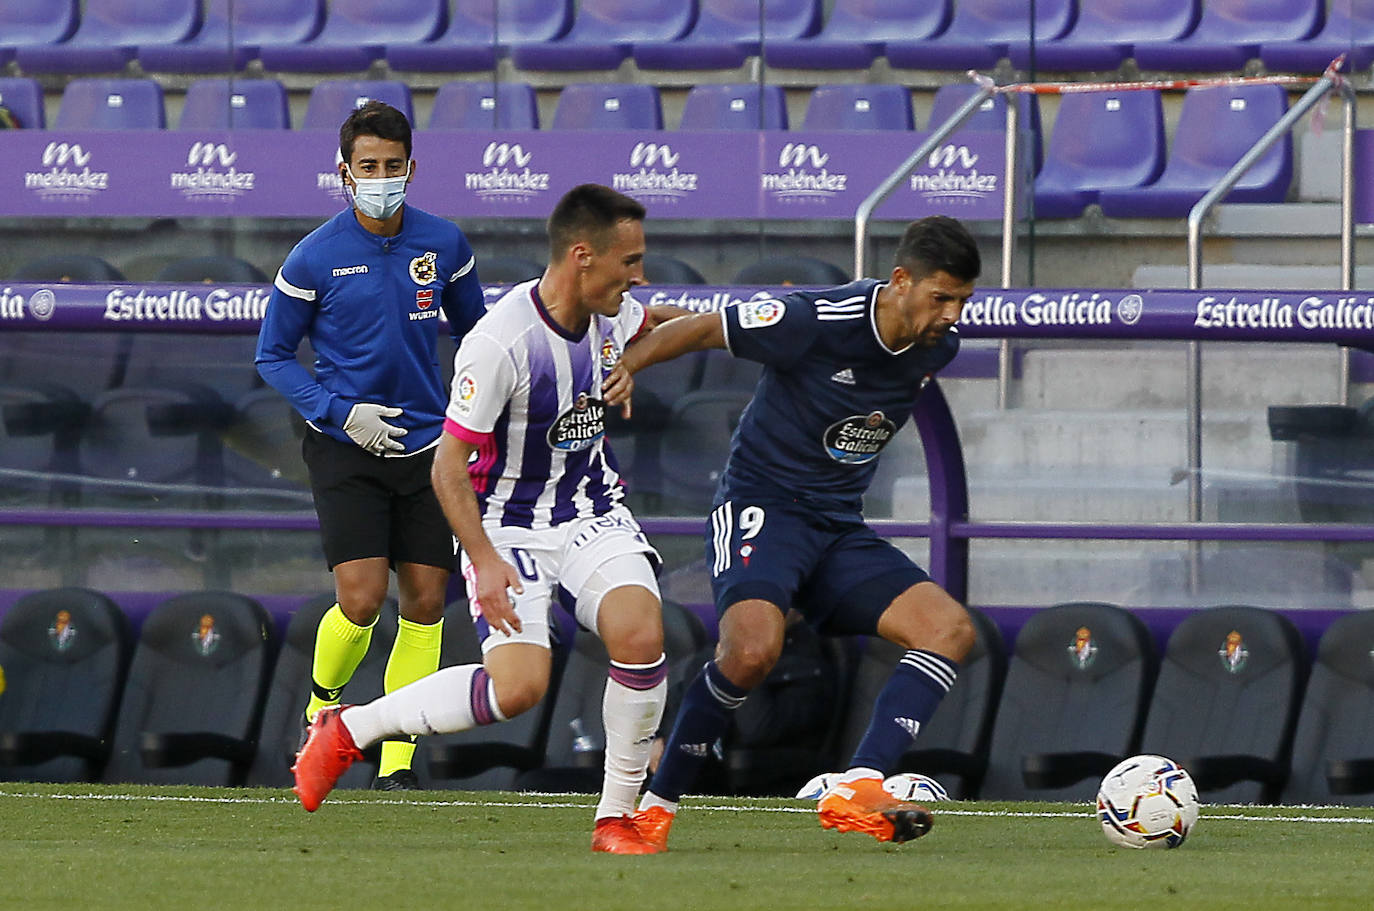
x: 565, y: 557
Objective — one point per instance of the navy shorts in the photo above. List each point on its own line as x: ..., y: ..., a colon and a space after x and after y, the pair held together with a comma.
x: 370, y: 506
x: 836, y: 571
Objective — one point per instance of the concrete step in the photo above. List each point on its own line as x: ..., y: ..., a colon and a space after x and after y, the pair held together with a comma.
x: 1141, y: 440
x: 1155, y: 574
x: 1233, y: 376
x: 1108, y: 496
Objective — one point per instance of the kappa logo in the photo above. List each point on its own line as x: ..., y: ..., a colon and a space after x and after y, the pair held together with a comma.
x: 948, y: 156
x: 797, y: 155
x: 61, y: 153
x: 845, y: 376
x: 649, y: 154
x: 500, y: 154
x: 206, y: 154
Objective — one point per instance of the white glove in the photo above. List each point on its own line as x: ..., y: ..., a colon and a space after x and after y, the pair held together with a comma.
x: 366, y: 427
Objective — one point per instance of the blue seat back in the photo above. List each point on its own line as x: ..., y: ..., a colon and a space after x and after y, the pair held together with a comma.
x: 221, y: 104
x: 24, y: 99
x: 111, y: 104
x: 602, y: 21
x: 332, y: 100
x: 509, y: 21
x: 26, y: 22
x: 485, y: 106
x: 859, y: 107
x: 598, y: 106
x: 747, y: 106
x: 1107, y: 139
x: 358, y: 22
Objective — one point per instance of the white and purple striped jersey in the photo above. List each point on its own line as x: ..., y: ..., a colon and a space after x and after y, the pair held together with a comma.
x: 527, y: 393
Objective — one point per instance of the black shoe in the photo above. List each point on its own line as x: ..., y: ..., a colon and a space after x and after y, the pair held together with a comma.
x: 399, y: 780
x: 300, y: 740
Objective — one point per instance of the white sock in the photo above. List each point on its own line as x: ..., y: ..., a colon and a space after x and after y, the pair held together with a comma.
x: 451, y: 699
x: 650, y: 799
x: 631, y: 717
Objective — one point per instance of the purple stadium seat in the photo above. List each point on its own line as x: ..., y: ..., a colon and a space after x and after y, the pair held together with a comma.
x: 859, y: 107
x: 354, y: 33
x: 979, y: 33
x: 24, y: 98
x: 109, y: 30
x: 603, y: 32
x: 1349, y: 30
x: 1101, y: 141
x: 727, y: 33
x: 735, y: 107
x: 1230, y: 32
x: 24, y: 22
x: 597, y: 106
x: 1102, y: 36
x: 1216, y: 126
x: 856, y: 31
x: 991, y: 114
x: 331, y: 101
x: 478, y: 30
x: 485, y: 106
x: 222, y: 104
x: 111, y: 104
x: 249, y: 23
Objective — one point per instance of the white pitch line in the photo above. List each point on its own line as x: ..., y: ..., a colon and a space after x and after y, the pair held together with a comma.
x: 583, y: 802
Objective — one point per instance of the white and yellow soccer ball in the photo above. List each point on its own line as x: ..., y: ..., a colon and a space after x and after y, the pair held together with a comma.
x: 815, y: 788
x: 1147, y: 802
x: 914, y: 787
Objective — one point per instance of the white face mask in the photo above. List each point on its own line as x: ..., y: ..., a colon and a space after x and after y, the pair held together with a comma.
x: 379, y: 197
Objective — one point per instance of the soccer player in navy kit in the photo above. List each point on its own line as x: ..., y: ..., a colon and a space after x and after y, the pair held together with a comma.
x: 367, y: 287
x: 842, y: 369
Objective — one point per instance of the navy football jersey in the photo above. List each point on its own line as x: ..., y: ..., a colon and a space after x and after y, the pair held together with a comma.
x: 830, y: 398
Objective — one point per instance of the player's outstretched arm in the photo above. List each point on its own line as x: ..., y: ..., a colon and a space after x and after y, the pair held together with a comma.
x: 667, y: 340
x: 493, y: 575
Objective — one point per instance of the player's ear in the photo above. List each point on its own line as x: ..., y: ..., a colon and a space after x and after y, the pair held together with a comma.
x: 581, y: 253
x: 411, y: 175
x: 901, y: 279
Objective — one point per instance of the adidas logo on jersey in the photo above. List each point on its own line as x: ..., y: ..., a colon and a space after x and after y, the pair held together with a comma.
x: 845, y: 376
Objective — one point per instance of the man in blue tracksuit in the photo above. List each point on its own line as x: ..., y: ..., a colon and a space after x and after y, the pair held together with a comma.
x: 367, y: 287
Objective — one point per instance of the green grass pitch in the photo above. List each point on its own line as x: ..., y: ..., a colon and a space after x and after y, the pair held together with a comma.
x: 187, y: 849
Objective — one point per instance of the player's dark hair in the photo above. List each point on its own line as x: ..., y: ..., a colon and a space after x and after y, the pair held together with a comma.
x: 375, y: 118
x: 589, y: 213
x: 938, y: 243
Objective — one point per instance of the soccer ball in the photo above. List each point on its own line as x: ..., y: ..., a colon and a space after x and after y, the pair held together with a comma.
x: 815, y: 788
x: 910, y: 786
x: 1147, y: 802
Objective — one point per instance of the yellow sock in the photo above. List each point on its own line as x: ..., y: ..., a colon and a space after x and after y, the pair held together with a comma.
x: 415, y: 654
x: 340, y: 645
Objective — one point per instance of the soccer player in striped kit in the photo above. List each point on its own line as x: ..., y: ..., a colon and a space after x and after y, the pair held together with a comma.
x: 842, y: 369
x: 530, y: 487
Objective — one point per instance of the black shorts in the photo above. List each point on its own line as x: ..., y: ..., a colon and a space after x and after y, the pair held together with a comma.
x: 370, y: 506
